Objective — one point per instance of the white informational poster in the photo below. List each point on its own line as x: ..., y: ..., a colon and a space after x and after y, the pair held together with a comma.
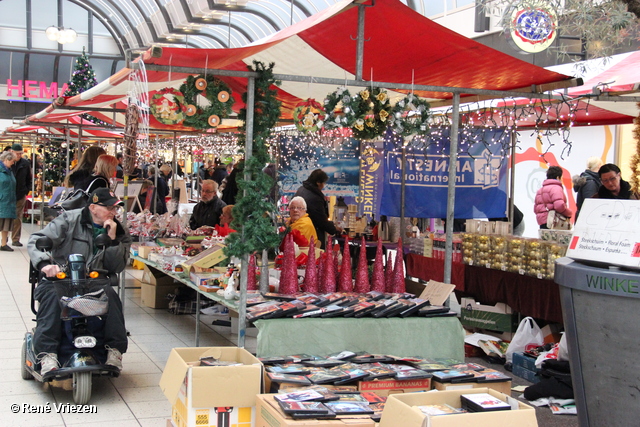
x: 607, y: 231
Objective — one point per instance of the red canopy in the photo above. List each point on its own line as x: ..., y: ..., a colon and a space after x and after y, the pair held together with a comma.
x: 401, y: 46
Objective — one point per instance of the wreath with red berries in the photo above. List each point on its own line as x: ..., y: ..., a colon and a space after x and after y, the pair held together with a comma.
x: 309, y: 116
x: 167, y: 106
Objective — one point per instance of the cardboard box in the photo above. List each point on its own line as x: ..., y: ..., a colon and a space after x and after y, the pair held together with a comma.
x: 387, y: 387
x: 500, y: 386
x: 207, y: 258
x: 155, y: 296
x: 199, y: 394
x: 400, y: 410
x: 155, y: 277
x: 269, y: 414
x: 497, y: 317
x: 145, y: 250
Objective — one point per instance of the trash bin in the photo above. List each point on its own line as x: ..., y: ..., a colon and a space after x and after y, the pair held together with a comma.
x: 601, y: 311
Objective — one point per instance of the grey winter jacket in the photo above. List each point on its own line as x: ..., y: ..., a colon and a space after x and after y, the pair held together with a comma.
x: 72, y: 233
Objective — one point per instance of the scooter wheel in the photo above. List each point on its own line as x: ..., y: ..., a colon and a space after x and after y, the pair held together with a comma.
x: 24, y: 372
x: 81, y: 387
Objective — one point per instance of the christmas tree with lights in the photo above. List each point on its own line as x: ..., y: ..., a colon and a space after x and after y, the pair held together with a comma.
x: 55, y: 162
x: 82, y: 79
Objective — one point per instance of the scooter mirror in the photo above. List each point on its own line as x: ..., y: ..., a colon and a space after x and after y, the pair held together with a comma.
x: 44, y: 244
x: 102, y: 241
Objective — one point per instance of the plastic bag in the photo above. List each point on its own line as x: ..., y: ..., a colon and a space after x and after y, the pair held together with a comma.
x: 528, y: 335
x: 557, y: 221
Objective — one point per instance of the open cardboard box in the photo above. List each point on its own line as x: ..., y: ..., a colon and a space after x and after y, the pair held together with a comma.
x: 401, y: 410
x: 269, y: 414
x: 198, y: 393
x: 497, y: 317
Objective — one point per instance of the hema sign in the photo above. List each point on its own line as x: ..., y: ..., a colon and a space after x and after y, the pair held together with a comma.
x: 33, y: 89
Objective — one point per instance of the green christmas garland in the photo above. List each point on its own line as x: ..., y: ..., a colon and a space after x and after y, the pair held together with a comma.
x: 338, y: 106
x: 371, y: 107
x: 217, y: 93
x: 410, y: 116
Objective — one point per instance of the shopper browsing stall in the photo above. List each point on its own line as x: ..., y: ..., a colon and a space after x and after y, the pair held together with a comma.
x: 22, y: 171
x: 209, y: 208
x: 317, y: 208
x: 7, y: 197
x: 299, y: 219
x: 613, y: 186
x: 551, y: 197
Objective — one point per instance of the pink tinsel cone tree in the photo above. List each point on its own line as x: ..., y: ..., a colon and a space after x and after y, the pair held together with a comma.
x: 377, y: 280
x: 398, y: 285
x: 388, y: 274
x: 346, y: 282
x: 289, y: 273
x: 329, y: 274
x: 362, y: 274
x: 251, y: 274
x: 322, y: 265
x: 311, y: 274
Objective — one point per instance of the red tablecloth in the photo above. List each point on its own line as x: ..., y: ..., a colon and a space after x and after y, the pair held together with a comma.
x: 433, y: 269
x: 524, y: 294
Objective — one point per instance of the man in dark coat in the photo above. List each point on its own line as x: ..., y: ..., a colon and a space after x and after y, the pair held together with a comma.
x: 317, y: 208
x: 22, y: 171
x: 209, y: 208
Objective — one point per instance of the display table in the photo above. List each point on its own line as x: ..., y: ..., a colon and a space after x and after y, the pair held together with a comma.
x: 436, y: 337
x: 530, y: 296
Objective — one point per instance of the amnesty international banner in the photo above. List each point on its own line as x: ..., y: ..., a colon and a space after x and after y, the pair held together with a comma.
x: 480, y: 179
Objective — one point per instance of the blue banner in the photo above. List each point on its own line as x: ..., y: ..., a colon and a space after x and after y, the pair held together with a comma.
x: 480, y: 179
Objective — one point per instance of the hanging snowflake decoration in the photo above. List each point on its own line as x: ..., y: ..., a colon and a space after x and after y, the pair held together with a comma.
x: 410, y: 116
x: 309, y: 116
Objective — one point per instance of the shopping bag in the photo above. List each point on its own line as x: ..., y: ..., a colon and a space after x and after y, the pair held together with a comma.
x: 557, y: 221
x: 528, y: 335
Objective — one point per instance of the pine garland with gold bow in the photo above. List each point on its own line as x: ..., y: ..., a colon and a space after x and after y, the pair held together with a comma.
x: 410, y: 116
x: 309, y: 116
x: 371, y: 107
x: 208, y: 112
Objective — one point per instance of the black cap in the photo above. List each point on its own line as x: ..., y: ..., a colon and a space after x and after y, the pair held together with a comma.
x: 104, y: 197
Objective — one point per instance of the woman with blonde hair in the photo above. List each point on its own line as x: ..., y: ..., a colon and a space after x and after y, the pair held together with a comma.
x: 85, y: 166
x: 103, y: 171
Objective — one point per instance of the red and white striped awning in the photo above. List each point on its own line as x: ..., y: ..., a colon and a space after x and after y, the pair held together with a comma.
x: 401, y: 46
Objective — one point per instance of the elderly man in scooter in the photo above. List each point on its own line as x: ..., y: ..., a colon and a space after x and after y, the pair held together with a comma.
x: 74, y: 232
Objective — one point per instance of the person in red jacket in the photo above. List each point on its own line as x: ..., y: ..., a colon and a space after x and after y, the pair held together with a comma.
x: 551, y: 197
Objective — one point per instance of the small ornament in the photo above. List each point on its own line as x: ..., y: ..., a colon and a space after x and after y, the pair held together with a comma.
x: 223, y: 96
x: 201, y: 84
x: 213, y: 121
x: 190, y: 110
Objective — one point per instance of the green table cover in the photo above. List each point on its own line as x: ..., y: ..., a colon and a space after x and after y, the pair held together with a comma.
x: 439, y: 337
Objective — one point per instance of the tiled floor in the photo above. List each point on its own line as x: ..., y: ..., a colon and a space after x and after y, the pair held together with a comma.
x: 134, y: 398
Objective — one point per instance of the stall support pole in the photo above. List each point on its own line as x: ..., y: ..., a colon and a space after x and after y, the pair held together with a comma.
x: 34, y: 171
x: 360, y: 42
x: 402, y: 189
x: 264, y: 272
x: 174, y: 165
x: 512, y: 181
x: 242, y: 305
x: 68, y: 141
x: 451, y: 199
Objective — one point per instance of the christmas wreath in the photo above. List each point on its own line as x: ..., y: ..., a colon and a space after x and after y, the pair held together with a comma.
x: 207, y: 100
x: 372, y: 111
x: 410, y: 116
x: 309, y: 115
x: 338, y: 106
x: 167, y: 106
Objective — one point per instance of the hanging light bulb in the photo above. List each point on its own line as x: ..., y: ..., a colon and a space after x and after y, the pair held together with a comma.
x: 52, y: 33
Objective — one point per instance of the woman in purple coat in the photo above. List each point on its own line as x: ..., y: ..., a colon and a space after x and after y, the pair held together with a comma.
x: 551, y: 197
